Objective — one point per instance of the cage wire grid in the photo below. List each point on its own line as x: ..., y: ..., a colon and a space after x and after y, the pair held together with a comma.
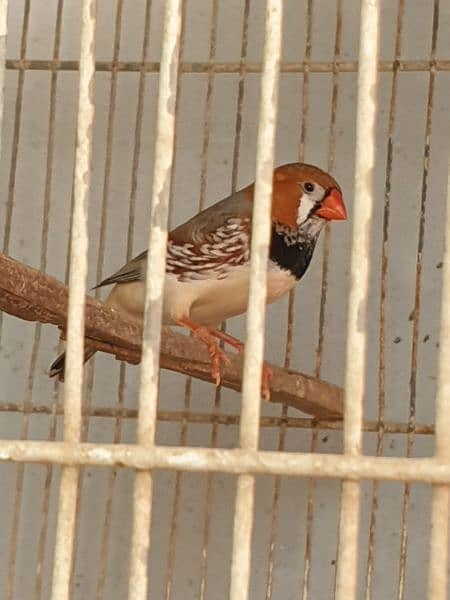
x: 75, y: 453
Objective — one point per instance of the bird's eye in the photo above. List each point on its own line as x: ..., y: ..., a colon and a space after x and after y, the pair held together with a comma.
x: 309, y: 187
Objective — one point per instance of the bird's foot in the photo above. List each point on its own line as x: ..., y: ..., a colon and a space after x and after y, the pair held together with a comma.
x: 267, y: 375
x: 218, y: 356
x: 267, y: 372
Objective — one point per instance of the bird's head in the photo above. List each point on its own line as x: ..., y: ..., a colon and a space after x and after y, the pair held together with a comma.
x: 304, y: 195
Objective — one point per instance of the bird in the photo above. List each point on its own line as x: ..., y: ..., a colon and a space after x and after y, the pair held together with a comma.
x: 207, y: 273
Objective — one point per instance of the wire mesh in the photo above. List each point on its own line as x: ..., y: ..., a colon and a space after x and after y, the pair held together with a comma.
x: 210, y: 67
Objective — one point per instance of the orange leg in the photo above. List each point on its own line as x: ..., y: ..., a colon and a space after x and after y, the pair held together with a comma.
x: 235, y: 343
x: 228, y: 339
x: 218, y: 356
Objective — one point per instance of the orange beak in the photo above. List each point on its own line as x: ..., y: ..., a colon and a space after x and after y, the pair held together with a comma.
x: 333, y: 207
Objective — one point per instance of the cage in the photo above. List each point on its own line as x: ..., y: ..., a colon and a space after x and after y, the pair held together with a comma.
x: 118, y: 115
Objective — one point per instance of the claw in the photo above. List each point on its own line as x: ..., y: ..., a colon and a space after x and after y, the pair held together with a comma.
x: 266, y: 370
x: 218, y: 357
x: 267, y: 375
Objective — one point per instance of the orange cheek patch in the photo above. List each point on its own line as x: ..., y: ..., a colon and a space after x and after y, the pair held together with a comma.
x: 285, y: 202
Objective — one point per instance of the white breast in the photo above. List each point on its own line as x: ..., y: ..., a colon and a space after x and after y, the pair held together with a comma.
x: 204, y: 301
x: 279, y: 282
x: 209, y: 302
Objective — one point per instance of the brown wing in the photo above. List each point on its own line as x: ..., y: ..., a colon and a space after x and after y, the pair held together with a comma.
x: 195, y: 231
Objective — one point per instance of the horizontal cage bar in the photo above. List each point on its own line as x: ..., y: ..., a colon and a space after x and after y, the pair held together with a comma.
x: 384, y: 66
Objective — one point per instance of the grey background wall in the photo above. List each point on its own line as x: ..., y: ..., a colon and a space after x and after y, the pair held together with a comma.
x: 29, y: 495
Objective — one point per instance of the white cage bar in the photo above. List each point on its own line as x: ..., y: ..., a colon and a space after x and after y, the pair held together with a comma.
x: 289, y: 464
x: 355, y: 377
x: 148, y: 393
x: 77, y: 290
x: 254, y: 350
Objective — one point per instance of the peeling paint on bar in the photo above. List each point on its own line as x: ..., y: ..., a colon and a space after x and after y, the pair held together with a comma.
x: 235, y: 461
x: 77, y: 290
x: 157, y: 242
x: 355, y: 380
x: 254, y: 350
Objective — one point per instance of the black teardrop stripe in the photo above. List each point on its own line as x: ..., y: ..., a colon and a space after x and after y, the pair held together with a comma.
x: 296, y: 257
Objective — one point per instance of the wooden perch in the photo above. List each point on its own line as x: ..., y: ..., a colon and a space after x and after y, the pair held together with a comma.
x: 34, y: 296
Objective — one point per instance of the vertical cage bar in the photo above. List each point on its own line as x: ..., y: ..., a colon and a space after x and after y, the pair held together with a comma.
x: 77, y: 290
x: 438, y: 563
x: 416, y: 312
x: 209, y: 496
x: 249, y: 429
x: 393, y: 105
x: 107, y: 525
x: 149, y: 373
x: 323, y: 293
x: 16, y: 136
x: 110, y: 132
x: 3, y: 35
x: 27, y: 402
x: 359, y: 283
x: 44, y: 511
x: 171, y: 560
x: 240, y: 95
x: 302, y: 151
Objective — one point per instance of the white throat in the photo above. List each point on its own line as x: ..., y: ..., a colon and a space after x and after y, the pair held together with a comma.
x: 305, y: 207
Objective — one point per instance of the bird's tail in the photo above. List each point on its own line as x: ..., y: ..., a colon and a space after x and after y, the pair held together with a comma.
x: 58, y: 365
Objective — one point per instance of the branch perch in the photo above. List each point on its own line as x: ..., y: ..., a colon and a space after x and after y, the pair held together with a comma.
x: 34, y: 296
